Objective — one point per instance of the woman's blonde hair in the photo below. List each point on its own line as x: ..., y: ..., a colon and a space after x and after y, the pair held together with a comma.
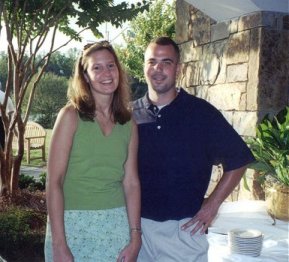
x: 80, y: 95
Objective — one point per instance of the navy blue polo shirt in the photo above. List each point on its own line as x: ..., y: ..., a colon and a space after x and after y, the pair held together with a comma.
x: 177, y: 148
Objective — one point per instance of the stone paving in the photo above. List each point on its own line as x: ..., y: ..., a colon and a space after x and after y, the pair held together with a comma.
x: 32, y: 171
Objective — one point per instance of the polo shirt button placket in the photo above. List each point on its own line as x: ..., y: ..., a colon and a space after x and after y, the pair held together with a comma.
x: 155, y: 110
x: 158, y: 117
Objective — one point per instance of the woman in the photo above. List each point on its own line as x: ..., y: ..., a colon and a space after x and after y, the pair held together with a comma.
x: 93, y: 192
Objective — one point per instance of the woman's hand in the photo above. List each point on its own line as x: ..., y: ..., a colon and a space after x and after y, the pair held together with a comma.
x: 130, y: 252
x: 62, y: 254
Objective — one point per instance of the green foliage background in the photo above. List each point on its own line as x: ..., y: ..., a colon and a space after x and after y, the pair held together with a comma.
x: 159, y: 20
x: 20, y: 240
x: 50, y: 95
x: 3, y: 69
x: 271, y: 147
x: 49, y: 98
x: 62, y: 64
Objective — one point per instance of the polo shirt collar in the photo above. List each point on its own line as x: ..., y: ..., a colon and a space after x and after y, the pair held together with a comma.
x: 147, y: 102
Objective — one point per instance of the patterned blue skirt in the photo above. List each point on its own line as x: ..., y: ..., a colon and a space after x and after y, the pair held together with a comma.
x: 96, y: 236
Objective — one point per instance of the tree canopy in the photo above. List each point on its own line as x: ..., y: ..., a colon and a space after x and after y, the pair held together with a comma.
x: 159, y: 20
x: 62, y: 64
x: 50, y: 96
x: 27, y: 24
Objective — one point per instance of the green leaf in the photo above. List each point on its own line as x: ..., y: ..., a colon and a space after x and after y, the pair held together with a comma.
x: 271, y: 146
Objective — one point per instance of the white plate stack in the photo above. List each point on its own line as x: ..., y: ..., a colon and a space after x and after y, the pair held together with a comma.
x: 246, y: 242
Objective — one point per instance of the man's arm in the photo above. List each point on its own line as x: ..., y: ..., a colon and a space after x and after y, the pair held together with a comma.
x: 209, y: 209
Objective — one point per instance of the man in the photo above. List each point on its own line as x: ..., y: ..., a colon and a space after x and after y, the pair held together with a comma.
x: 180, y: 138
x: 9, y: 111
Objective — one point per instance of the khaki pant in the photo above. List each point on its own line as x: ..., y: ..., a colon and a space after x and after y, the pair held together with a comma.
x: 166, y: 242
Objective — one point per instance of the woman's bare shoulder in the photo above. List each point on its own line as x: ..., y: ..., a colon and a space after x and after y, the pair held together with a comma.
x: 68, y: 112
x: 67, y: 117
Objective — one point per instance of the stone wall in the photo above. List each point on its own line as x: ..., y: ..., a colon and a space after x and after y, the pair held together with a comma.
x: 241, y: 66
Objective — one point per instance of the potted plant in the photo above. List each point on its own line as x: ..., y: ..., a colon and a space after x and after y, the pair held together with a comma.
x: 271, y: 150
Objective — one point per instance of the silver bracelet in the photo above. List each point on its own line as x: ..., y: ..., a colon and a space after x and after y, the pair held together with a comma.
x: 135, y: 229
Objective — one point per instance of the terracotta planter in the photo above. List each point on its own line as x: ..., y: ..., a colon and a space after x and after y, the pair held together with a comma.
x: 277, y: 201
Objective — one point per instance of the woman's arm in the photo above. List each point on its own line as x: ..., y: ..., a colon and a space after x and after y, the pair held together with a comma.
x: 132, y: 195
x: 60, y: 146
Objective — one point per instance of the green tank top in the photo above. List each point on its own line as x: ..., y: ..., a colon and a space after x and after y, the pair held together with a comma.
x: 95, y: 169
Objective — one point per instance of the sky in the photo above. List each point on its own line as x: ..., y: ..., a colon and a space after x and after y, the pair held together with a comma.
x: 109, y: 32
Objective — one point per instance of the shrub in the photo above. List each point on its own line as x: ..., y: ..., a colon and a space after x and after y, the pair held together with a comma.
x: 29, y: 182
x: 21, y: 230
x: 271, y: 148
x: 49, y: 98
x: 25, y: 181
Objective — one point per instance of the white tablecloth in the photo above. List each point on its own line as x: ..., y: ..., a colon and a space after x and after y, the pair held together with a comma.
x: 248, y: 215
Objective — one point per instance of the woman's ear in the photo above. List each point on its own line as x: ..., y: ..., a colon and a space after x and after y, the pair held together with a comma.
x: 86, y: 77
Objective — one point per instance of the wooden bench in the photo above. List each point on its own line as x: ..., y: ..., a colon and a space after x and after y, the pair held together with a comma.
x: 34, y: 139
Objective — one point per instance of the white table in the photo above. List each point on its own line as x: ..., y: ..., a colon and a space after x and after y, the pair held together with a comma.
x: 248, y: 215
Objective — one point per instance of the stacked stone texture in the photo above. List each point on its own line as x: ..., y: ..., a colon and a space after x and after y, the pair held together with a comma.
x: 241, y: 66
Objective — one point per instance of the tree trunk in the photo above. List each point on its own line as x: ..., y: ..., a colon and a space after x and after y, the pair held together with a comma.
x: 10, y: 163
x: 15, y: 172
x: 3, y: 173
